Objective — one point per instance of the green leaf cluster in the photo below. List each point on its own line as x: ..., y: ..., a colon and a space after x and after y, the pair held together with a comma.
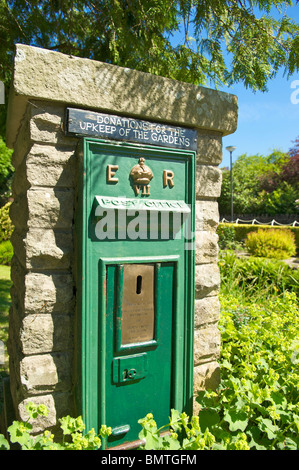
x: 6, y: 253
x: 260, y: 375
x: 5, y: 223
x: 20, y: 433
x: 260, y: 185
x: 184, y: 433
x: 6, y: 172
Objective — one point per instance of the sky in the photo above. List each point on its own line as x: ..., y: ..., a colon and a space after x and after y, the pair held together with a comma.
x: 268, y: 120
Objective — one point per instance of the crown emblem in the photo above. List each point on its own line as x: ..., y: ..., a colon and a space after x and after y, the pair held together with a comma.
x: 141, y: 173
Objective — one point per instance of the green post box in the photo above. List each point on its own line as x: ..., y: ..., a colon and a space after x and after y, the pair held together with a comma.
x: 135, y: 223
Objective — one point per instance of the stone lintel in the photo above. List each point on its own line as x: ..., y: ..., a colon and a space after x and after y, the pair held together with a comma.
x: 45, y: 75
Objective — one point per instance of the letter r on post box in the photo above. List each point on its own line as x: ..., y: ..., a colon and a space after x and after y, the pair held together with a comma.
x: 168, y: 176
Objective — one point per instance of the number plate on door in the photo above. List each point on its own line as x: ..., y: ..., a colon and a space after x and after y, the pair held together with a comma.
x: 126, y: 369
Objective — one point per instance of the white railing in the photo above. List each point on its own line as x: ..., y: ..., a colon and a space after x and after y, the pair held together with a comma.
x: 255, y: 221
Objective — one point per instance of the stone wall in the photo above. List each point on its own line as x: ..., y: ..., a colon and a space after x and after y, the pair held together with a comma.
x: 41, y: 334
x: 41, y: 344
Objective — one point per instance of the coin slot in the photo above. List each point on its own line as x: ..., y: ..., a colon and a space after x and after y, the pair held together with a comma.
x: 139, y: 285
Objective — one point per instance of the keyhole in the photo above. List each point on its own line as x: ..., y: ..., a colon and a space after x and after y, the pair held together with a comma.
x: 138, y: 284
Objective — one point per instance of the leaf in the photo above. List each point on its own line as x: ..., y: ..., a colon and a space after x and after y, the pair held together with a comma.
x: 3, y: 443
x: 290, y: 444
x: 208, y: 418
x: 266, y: 425
x: 175, y: 420
x: 170, y: 443
x: 227, y: 364
x: 256, y: 438
x: 152, y: 442
x: 236, y: 419
x: 278, y: 399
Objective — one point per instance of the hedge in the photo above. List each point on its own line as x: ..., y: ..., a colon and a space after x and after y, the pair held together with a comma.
x: 242, y: 230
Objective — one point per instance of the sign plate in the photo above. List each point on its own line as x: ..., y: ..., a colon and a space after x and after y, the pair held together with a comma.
x: 121, y: 203
x: 108, y: 126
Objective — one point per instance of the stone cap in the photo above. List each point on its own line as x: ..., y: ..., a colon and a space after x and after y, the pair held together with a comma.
x: 45, y: 75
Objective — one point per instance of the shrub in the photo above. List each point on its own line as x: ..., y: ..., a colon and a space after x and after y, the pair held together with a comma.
x: 226, y: 234
x: 242, y: 230
x: 278, y: 244
x: 6, y: 252
x: 6, y: 226
x: 256, y: 276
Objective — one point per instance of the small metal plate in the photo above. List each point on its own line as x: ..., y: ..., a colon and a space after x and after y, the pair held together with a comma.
x: 138, y: 309
x: 123, y: 366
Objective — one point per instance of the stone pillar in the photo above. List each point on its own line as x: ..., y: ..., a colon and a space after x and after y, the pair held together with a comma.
x: 42, y: 337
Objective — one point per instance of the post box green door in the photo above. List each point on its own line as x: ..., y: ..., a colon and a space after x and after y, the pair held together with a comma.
x: 135, y: 282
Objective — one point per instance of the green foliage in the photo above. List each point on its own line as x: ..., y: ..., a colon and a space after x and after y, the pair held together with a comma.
x: 5, y: 302
x: 5, y: 162
x: 19, y: 433
x: 241, y: 232
x: 227, y: 237
x: 256, y: 276
x: 6, y: 227
x: 184, y: 433
x: 261, y: 185
x: 281, y: 200
x: 260, y: 375
x: 278, y: 244
x: 6, y: 172
x: 6, y: 253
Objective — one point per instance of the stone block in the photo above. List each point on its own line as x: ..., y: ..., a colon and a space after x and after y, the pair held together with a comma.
x: 58, y: 404
x: 43, y: 249
x: 209, y: 148
x: 206, y: 377
x: 47, y: 124
x: 208, y: 181
x: 41, y: 422
x: 18, y: 212
x: 50, y: 208
x: 50, y: 166
x: 207, y: 280
x: 23, y: 141
x: 20, y: 183
x: 206, y: 311
x: 206, y: 247
x: 44, y: 333
x: 48, y: 293
x: 46, y: 373
x: 206, y: 215
x: 41, y: 74
x: 206, y: 344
